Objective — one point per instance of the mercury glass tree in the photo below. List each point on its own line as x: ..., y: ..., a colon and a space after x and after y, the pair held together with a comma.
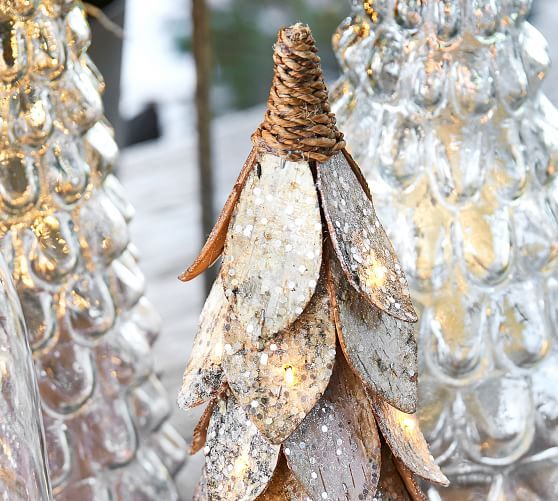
x: 442, y: 108
x: 64, y: 234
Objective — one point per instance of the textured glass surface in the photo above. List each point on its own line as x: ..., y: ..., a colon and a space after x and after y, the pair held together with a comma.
x: 441, y: 105
x: 22, y: 459
x: 64, y: 233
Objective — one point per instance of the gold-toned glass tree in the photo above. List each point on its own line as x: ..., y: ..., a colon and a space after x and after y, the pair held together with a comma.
x: 64, y: 235
x: 441, y: 102
x: 305, y: 354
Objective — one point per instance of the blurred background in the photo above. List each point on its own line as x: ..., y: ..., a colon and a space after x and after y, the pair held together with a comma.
x: 150, y: 73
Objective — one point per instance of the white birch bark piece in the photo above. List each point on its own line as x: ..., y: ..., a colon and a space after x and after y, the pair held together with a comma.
x: 364, y: 250
x: 239, y: 461
x: 273, y: 250
x: 204, y: 375
x: 381, y: 349
x: 278, y: 381
x: 402, y: 433
x: 335, y: 452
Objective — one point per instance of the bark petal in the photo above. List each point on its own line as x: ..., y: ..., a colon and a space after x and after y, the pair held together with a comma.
x: 361, y: 244
x: 273, y: 251
x: 278, y: 381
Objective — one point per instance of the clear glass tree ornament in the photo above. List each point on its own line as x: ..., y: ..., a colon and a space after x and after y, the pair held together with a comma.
x: 442, y: 107
x: 64, y: 233
x: 23, y: 459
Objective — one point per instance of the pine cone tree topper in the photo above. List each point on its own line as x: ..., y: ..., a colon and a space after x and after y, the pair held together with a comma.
x: 305, y: 263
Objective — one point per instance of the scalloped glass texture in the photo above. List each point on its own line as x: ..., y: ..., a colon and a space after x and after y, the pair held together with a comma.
x: 441, y: 105
x: 64, y: 234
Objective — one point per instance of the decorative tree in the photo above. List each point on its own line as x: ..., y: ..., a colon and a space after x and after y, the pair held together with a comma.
x: 441, y: 103
x: 23, y: 461
x: 306, y: 264
x: 64, y: 234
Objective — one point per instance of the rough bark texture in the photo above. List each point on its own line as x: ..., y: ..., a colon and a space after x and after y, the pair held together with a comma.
x: 239, y: 461
x: 381, y: 349
x: 364, y: 250
x: 402, y: 433
x: 279, y: 381
x: 336, y: 449
x: 284, y: 486
x: 273, y: 250
x: 203, y: 376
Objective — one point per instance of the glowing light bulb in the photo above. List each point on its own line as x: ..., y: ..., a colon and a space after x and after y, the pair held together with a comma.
x: 218, y: 350
x: 37, y: 114
x: 376, y: 273
x: 240, y: 465
x: 408, y: 424
x: 289, y: 376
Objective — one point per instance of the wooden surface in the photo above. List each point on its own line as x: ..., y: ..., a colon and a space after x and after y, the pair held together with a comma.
x: 161, y: 182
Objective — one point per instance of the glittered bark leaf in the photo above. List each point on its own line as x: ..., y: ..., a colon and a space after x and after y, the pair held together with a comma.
x: 278, y: 381
x: 391, y: 486
x: 239, y: 461
x: 361, y: 244
x: 335, y: 452
x: 200, y: 431
x: 402, y: 433
x: 273, y: 251
x: 284, y: 486
x: 203, y: 376
x: 381, y: 349
x: 215, y: 243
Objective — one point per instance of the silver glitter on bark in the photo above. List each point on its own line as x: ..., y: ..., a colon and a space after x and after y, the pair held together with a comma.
x: 364, y: 250
x: 239, y: 461
x: 402, y: 433
x: 278, y: 381
x: 284, y: 486
x: 203, y: 376
x: 381, y: 349
x: 273, y: 250
x: 335, y: 452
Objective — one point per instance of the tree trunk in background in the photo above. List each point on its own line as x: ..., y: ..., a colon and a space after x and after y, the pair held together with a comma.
x: 106, y: 53
x: 202, y: 55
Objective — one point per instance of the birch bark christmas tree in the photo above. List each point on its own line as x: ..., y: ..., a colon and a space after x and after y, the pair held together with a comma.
x: 64, y: 234
x: 305, y: 353
x: 442, y: 107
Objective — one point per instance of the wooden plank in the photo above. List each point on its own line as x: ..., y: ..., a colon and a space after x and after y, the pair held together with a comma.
x: 215, y: 243
x: 335, y: 452
x: 402, y: 433
x: 204, y: 375
x: 239, y: 461
x: 273, y: 250
x: 382, y: 350
x: 361, y: 244
x: 278, y: 381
